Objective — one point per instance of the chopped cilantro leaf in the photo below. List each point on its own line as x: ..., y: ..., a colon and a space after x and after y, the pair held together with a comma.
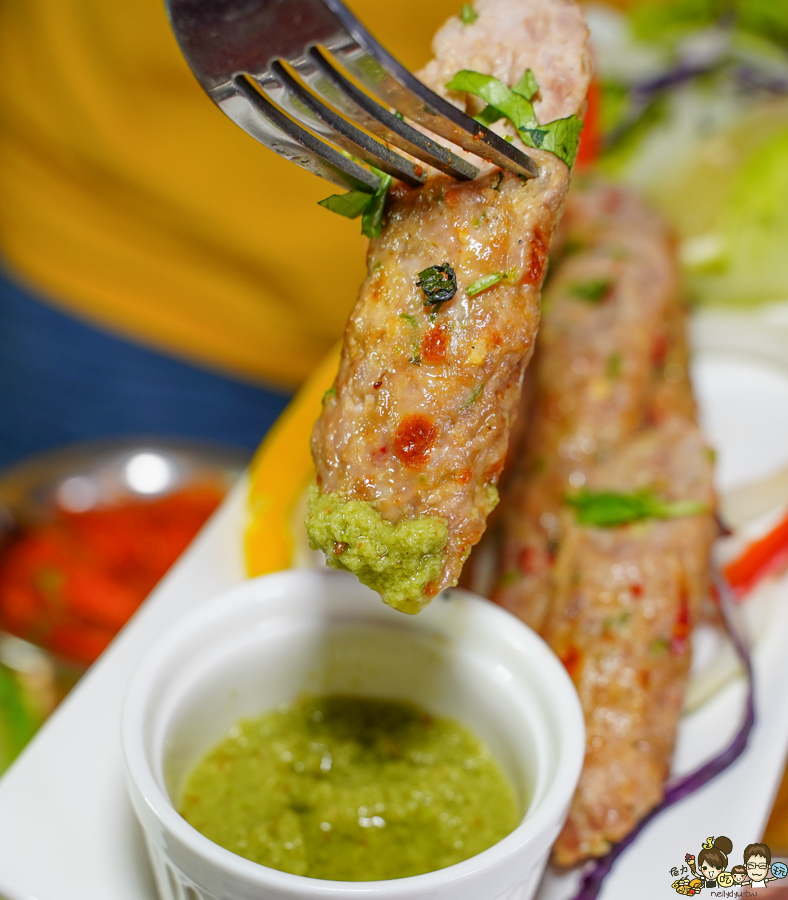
x: 329, y: 394
x: 659, y: 646
x: 438, y: 284
x: 372, y: 219
x: 411, y: 320
x: 481, y: 284
x: 350, y: 205
x: 366, y: 204
x: 613, y: 365
x: 527, y: 86
x: 593, y: 291
x: 468, y: 14
x: 477, y: 392
x: 609, y: 509
x: 561, y: 137
x: 505, y: 101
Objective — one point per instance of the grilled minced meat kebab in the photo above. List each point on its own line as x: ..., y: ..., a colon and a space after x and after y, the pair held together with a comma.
x: 600, y: 352
x: 623, y: 604
x: 608, y: 523
x: 413, y: 433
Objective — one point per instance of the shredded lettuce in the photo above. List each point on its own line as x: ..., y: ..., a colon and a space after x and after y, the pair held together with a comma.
x: 656, y: 20
x: 561, y: 136
x: 753, y: 227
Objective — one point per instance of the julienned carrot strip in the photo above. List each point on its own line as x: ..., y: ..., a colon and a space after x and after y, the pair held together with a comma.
x: 759, y: 559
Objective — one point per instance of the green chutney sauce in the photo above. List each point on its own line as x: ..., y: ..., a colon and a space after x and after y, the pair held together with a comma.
x: 351, y: 789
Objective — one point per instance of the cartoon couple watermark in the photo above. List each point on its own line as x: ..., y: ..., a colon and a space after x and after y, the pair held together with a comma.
x: 749, y: 879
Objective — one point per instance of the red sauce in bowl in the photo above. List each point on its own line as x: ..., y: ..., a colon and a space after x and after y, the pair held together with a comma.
x: 70, y: 584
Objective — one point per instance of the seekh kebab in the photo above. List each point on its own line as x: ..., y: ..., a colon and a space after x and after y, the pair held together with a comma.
x: 607, y: 526
x: 600, y: 349
x: 413, y: 434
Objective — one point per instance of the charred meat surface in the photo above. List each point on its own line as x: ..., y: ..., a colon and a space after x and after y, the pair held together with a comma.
x: 417, y: 424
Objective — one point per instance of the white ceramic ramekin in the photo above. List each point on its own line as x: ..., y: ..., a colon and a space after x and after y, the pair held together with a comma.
x: 274, y: 637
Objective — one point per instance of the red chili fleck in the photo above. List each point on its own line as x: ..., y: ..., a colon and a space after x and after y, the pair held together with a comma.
x: 339, y: 548
x: 571, y: 659
x: 525, y: 560
x: 682, y: 627
x: 465, y: 476
x: 659, y: 350
x: 636, y: 590
x: 533, y: 273
x: 414, y: 439
x: 435, y: 344
x: 377, y: 384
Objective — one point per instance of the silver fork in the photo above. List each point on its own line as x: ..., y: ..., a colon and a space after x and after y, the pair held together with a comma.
x: 279, y: 69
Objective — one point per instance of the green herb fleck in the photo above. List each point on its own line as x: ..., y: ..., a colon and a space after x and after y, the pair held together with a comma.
x: 609, y: 509
x: 398, y: 115
x: 411, y: 320
x: 468, y: 14
x: 593, y: 291
x: 613, y: 365
x: 477, y: 392
x: 438, y: 284
x: 659, y: 646
x: 561, y: 137
x: 618, y: 621
x: 331, y: 392
x: 350, y: 205
x: 367, y: 204
x: 510, y: 578
x: 527, y: 86
x: 372, y: 219
x: 481, y: 284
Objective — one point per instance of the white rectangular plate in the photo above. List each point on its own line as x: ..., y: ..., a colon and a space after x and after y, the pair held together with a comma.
x: 66, y: 828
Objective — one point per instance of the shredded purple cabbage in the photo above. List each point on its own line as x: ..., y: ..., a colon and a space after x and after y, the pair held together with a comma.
x: 597, y: 871
x: 644, y: 94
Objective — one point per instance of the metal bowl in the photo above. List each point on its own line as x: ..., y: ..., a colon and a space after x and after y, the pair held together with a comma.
x: 98, y: 474
x: 105, y: 473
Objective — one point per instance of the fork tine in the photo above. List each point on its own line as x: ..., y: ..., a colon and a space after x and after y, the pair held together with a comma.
x: 298, y: 102
x: 269, y: 125
x: 388, y: 79
x: 329, y: 82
